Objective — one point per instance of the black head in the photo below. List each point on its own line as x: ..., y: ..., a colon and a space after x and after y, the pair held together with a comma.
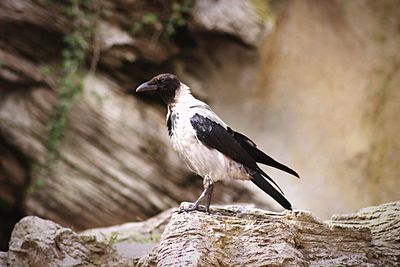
x: 164, y: 84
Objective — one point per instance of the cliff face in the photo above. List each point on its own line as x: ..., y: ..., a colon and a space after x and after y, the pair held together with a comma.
x: 322, y: 95
x: 314, y: 84
x: 115, y: 163
x: 230, y: 236
x: 333, y: 70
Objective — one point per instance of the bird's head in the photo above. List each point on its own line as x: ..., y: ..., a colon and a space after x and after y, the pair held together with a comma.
x: 166, y: 85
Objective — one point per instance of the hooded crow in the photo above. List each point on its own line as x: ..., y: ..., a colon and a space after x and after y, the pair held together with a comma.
x: 209, y: 147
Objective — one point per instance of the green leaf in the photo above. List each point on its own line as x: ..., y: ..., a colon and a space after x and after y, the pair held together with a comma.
x: 136, y: 28
x: 150, y: 18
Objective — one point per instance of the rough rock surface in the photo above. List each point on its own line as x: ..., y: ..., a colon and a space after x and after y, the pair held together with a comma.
x: 3, y: 259
x: 234, y: 236
x: 116, y: 163
x: 230, y: 236
x: 38, y: 242
x: 323, y: 87
x: 243, y: 19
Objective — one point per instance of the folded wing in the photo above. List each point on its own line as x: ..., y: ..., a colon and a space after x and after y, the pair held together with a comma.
x: 215, y: 136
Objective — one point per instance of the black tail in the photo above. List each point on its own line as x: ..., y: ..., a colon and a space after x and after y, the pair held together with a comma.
x: 270, y: 190
x: 258, y: 155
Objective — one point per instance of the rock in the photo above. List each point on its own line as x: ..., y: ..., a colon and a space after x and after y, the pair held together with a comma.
x: 100, y: 118
x: 111, y: 35
x: 236, y: 236
x: 230, y: 236
x: 148, y: 230
x: 13, y: 175
x: 113, y: 145
x: 3, y: 259
x: 116, y: 162
x: 238, y: 18
x: 137, y: 241
x: 322, y: 85
x: 116, y: 45
x: 38, y: 242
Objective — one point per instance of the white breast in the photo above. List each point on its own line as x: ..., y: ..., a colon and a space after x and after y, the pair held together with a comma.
x: 199, y: 158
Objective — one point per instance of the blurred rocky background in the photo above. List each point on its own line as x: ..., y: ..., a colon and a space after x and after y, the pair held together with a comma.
x: 314, y: 83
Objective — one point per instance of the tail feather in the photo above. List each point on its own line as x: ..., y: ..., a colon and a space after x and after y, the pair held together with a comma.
x: 258, y: 155
x: 270, y: 190
x: 270, y: 179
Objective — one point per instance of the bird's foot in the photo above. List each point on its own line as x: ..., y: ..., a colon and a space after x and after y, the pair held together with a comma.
x: 208, y: 210
x: 194, y: 208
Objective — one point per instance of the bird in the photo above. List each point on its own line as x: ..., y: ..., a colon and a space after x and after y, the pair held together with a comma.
x: 208, y: 146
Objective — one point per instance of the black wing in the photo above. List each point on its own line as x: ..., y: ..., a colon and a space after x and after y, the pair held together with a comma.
x: 258, y: 155
x: 216, y: 136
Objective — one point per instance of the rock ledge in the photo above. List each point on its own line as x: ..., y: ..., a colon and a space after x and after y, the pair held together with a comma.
x: 230, y: 236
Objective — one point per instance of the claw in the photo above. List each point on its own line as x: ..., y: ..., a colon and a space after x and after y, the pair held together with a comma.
x: 194, y: 208
x: 208, y: 210
x: 208, y: 189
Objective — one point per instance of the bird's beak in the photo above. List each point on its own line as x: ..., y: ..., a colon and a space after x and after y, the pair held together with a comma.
x: 146, y: 87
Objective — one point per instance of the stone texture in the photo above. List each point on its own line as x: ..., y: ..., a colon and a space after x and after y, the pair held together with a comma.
x: 100, y: 132
x: 321, y: 95
x: 230, y: 236
x: 322, y: 87
x: 238, y: 18
x: 116, y: 162
x: 237, y: 236
x: 38, y: 242
x: 3, y: 259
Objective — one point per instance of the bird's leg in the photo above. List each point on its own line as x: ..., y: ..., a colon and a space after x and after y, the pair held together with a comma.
x: 209, y: 195
x: 208, y: 188
x: 197, y: 203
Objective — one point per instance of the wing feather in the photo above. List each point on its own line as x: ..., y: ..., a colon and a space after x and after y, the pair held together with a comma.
x: 215, y: 136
